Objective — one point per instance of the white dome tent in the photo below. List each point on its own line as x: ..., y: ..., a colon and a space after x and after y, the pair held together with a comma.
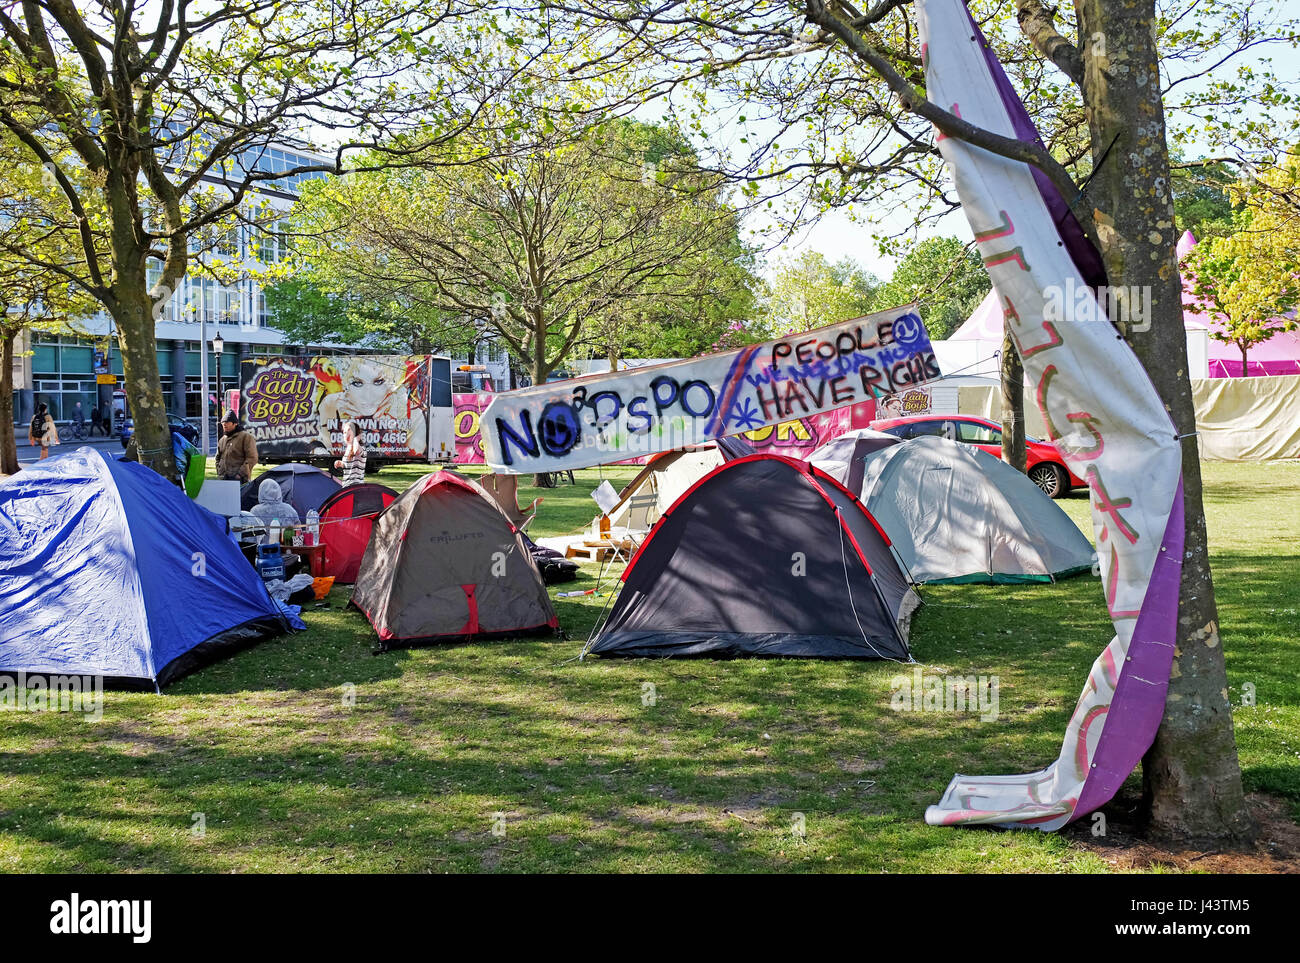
x: 955, y: 513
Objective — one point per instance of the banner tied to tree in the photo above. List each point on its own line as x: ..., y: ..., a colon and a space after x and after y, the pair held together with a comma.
x: 610, y: 417
x: 1108, y: 422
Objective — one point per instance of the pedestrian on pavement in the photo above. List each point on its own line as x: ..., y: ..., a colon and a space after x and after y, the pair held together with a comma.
x: 97, y: 422
x: 236, y: 450
x: 78, y: 422
x: 43, y: 432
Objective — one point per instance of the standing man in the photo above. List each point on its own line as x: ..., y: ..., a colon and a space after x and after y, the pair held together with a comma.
x: 78, y: 422
x: 236, y: 451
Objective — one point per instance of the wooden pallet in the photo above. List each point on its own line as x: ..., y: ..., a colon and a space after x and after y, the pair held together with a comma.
x: 597, y: 550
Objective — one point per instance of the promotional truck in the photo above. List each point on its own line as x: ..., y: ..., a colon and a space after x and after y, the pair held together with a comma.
x: 296, y: 407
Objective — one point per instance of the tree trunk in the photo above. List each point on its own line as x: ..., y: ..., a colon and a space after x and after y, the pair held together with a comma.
x: 1191, y: 777
x: 8, y: 443
x: 132, y: 309
x: 1013, y: 405
x: 612, y: 355
x: 539, y: 373
x: 1245, y: 371
x: 135, y: 327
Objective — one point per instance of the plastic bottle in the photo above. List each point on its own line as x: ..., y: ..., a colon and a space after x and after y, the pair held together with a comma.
x: 313, y: 526
x: 273, y: 532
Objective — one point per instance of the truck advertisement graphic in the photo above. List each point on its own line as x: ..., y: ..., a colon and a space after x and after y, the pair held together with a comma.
x: 296, y: 407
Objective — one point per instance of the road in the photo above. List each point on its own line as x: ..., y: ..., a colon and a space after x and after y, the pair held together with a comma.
x: 28, y: 455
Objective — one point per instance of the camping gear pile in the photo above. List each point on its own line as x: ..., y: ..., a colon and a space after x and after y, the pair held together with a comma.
x: 552, y: 565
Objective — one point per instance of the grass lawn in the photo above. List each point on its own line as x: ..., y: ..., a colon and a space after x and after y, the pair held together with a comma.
x: 513, y: 756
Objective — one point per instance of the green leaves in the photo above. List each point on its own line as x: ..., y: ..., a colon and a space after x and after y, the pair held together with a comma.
x: 946, y: 277
x: 1249, y: 280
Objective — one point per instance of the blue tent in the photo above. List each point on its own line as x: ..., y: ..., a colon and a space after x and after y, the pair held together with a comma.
x: 106, y: 568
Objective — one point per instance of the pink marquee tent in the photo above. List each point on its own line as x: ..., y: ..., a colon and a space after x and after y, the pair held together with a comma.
x: 1280, y: 355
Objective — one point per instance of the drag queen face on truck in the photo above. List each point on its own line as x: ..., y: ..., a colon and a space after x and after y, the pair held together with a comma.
x: 369, y: 391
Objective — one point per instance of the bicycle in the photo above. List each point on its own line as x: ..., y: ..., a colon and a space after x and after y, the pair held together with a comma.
x: 78, y: 431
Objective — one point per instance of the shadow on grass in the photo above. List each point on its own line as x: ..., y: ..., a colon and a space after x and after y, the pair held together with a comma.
x: 604, y: 765
x: 583, y: 775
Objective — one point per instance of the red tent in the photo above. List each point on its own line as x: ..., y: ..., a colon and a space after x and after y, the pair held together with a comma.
x: 346, y: 518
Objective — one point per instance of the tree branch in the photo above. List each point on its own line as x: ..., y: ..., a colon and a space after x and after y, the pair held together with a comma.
x: 1037, y: 22
x: 950, y: 124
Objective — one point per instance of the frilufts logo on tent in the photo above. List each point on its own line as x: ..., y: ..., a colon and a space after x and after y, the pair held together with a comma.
x: 934, y: 692
x: 447, y: 536
x: 54, y: 693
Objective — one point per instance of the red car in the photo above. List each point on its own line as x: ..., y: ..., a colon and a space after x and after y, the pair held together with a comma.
x: 1045, y: 466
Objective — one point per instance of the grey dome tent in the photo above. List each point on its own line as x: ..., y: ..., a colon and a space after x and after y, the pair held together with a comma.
x: 956, y: 513
x: 763, y: 556
x: 844, y: 457
x: 445, y: 564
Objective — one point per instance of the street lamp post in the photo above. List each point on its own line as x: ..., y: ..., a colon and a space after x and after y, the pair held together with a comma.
x: 218, y: 345
x: 203, y: 380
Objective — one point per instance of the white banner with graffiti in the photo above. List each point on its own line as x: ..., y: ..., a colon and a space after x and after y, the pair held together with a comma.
x: 1106, y: 418
x: 608, y: 417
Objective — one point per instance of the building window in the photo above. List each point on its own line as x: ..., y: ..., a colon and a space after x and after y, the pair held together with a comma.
x: 271, y: 246
x: 212, y: 302
x: 63, y: 374
x: 222, y: 238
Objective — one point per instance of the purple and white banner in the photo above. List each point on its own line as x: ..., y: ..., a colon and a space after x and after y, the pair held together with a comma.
x: 610, y: 417
x: 1103, y: 414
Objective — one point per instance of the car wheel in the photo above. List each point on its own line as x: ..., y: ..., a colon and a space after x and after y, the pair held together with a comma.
x: 1050, y: 478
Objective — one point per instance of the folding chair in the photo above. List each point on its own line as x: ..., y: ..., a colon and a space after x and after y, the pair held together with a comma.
x: 636, y: 525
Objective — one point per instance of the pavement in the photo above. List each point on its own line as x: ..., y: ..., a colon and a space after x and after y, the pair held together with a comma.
x: 28, y: 455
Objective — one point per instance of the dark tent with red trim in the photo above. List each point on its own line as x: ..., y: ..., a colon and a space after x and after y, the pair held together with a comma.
x: 445, y: 564
x: 763, y: 556
x: 346, y: 518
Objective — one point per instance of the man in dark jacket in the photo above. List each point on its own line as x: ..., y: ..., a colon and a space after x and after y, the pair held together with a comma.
x: 236, y: 450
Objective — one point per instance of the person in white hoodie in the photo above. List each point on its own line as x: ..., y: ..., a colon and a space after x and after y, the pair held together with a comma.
x: 271, y: 505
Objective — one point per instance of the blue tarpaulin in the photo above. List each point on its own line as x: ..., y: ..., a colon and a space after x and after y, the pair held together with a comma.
x: 108, y: 569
